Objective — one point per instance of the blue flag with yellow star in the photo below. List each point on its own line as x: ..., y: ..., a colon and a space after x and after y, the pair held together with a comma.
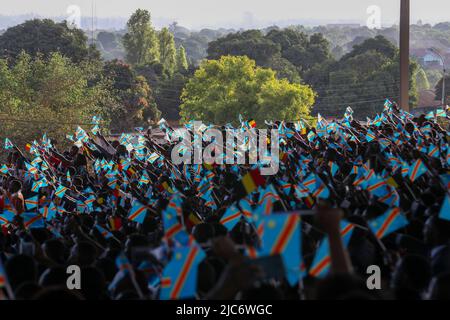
x: 179, y: 278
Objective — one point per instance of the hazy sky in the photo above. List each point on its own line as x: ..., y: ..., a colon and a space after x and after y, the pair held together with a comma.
x: 201, y: 13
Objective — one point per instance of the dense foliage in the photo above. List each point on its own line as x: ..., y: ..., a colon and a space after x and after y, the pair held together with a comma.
x: 53, y: 95
x: 222, y: 89
x: 45, y: 37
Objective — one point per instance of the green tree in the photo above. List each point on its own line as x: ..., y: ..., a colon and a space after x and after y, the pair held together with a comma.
x: 108, y: 40
x: 134, y: 104
x: 168, y: 93
x: 182, y: 63
x: 52, y: 96
x: 422, y: 80
x: 222, y: 89
x: 251, y: 43
x: 287, y: 51
x: 379, y: 44
x: 141, y: 41
x: 362, y: 79
x: 167, y: 50
x: 45, y: 37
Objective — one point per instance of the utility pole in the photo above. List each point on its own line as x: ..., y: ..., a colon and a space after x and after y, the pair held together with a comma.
x: 444, y: 72
x: 404, y: 53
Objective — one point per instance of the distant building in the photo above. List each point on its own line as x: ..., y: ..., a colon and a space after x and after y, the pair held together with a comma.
x: 432, y: 58
x: 427, y: 58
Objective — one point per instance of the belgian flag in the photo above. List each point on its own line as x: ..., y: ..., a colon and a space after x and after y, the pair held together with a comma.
x: 164, y: 187
x: 284, y: 156
x: 191, y: 220
x: 252, y: 123
x: 130, y: 171
x: 115, y: 223
x: 250, y: 182
x: 309, y: 202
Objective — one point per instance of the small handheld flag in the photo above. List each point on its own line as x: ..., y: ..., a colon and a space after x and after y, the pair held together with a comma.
x: 32, y: 203
x: 391, y: 221
x: 32, y: 220
x: 322, y: 260
x: 231, y: 217
x: 282, y: 235
x: 61, y: 191
x: 138, y: 212
x: 179, y: 278
x: 105, y: 233
x: 8, y: 144
x: 417, y: 170
x: 48, y: 212
x: 250, y: 182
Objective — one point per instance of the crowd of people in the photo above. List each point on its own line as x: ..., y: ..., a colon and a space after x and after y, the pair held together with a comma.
x: 348, y: 196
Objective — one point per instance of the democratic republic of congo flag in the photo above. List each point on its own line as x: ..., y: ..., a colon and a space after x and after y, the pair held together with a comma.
x: 4, y: 169
x: 173, y: 229
x: 204, y: 188
x: 310, y: 182
x: 417, y: 169
x: 231, y: 217
x: 333, y: 167
x: 282, y: 235
x: 316, y: 187
x: 246, y: 208
x: 392, y: 199
x: 433, y: 151
x: 377, y: 186
x: 175, y: 205
x: 389, y: 222
x: 37, y: 185
x: 441, y: 113
x: 370, y: 136
x: 300, y: 192
x: 179, y: 278
x: 6, y: 217
x: 137, y: 212
x: 322, y: 261
x: 145, y: 179
x: 445, y: 209
x: 268, y: 193
x: 32, y: 220
x: 32, y: 203
x: 122, y: 263
x: 31, y: 169
x: 286, y: 187
x: 265, y: 208
x: 48, y: 212
x: 8, y: 144
x: 105, y: 233
x: 321, y: 191
x: 60, y: 191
